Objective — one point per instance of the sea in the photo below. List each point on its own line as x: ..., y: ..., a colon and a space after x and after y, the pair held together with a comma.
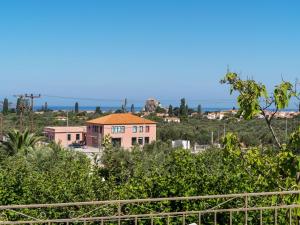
x: 114, y: 108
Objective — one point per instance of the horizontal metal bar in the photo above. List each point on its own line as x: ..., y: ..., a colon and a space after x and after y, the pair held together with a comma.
x: 148, y: 216
x: 112, y: 202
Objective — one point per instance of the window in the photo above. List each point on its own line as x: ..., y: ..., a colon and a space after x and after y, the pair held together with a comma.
x: 69, y: 137
x: 114, y: 129
x: 122, y: 129
x: 141, y: 129
x: 147, y: 129
x: 118, y: 129
x: 140, y: 140
x: 146, y: 140
x: 134, y: 129
x: 95, y: 129
x: 116, y: 142
x: 133, y: 141
x: 77, y: 137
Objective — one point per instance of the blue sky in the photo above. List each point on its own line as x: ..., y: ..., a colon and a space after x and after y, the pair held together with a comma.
x: 139, y: 49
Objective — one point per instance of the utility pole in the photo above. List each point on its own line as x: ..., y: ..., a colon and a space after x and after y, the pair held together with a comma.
x: 32, y: 97
x: 21, y: 108
x: 224, y: 130
x: 212, y: 138
x: 67, y: 118
x: 1, y: 125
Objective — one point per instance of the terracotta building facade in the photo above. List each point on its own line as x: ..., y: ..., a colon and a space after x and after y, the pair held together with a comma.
x: 125, y: 130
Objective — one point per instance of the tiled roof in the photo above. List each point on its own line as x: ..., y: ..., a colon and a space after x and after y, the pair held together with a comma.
x: 120, y: 119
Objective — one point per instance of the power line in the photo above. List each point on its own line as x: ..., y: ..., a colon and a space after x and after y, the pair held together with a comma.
x: 83, y: 99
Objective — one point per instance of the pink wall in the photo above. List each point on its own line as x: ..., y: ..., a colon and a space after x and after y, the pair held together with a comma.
x: 126, y: 136
x: 62, y: 137
x: 92, y: 137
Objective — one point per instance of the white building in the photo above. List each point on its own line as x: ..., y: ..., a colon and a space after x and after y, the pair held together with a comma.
x: 181, y: 144
x: 172, y: 119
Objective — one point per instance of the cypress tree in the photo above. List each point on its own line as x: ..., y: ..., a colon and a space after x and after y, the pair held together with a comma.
x: 98, y: 110
x: 18, y: 105
x: 5, y: 107
x: 170, y: 110
x: 183, y: 108
x: 124, y: 106
x: 199, y: 109
x: 76, y: 107
x: 132, y: 109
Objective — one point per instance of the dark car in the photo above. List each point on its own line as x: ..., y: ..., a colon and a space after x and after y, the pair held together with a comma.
x: 75, y: 145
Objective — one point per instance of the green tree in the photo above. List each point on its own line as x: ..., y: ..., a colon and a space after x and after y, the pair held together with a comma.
x: 183, y: 112
x: 46, y: 107
x: 253, y: 99
x: 124, y: 106
x: 47, y: 175
x: 18, y: 105
x: 5, y: 107
x: 160, y: 110
x: 98, y: 110
x: 76, y: 107
x: 20, y: 142
x: 132, y: 109
x: 170, y: 110
x: 199, y: 109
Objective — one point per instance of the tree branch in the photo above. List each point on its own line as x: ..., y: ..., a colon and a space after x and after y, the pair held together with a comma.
x: 268, y: 121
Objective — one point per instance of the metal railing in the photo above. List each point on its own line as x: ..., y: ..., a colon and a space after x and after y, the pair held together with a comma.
x: 247, y: 208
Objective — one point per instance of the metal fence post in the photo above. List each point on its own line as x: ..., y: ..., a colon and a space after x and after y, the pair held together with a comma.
x: 275, y: 216
x: 119, y: 213
x: 215, y: 218
x: 261, y: 217
x: 246, y: 212
x: 290, y: 216
x: 199, y: 218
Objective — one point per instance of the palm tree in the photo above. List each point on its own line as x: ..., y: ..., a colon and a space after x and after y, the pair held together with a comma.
x: 20, y: 141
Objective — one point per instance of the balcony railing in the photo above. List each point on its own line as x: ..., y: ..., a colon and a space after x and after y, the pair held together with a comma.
x: 247, y: 208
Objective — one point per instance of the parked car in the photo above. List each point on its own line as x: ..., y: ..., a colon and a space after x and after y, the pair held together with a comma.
x: 75, y: 145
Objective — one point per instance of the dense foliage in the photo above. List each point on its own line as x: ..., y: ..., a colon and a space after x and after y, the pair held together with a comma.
x: 251, y: 132
x: 50, y: 174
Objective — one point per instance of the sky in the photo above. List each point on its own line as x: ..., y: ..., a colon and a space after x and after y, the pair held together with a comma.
x: 167, y: 49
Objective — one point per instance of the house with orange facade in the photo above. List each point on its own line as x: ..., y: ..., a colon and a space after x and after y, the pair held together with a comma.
x: 125, y: 130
